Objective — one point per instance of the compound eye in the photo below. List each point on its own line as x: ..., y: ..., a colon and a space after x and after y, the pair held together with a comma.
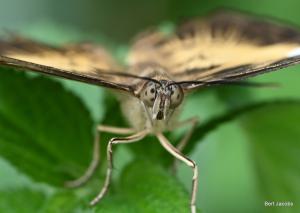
x: 176, y: 96
x: 148, y: 94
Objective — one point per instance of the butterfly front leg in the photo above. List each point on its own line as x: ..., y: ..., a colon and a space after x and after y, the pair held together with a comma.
x: 121, y: 140
x: 96, y: 154
x: 182, y: 143
x: 176, y: 153
x: 193, y: 123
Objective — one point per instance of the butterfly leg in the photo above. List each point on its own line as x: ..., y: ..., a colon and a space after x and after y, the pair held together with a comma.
x: 96, y: 154
x: 122, y: 140
x: 193, y: 123
x: 182, y: 143
x: 176, y: 153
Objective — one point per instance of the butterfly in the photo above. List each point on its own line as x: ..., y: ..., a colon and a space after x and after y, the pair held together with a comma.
x: 220, y: 49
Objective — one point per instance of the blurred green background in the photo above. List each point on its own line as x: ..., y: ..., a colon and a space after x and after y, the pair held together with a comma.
x: 230, y: 158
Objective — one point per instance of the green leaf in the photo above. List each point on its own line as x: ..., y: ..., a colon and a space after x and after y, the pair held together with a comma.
x: 115, y: 203
x: 274, y: 139
x: 138, y: 190
x: 45, y: 129
x: 62, y: 201
x: 21, y: 200
x: 204, y: 129
x: 145, y: 186
x: 152, y: 189
x: 264, y: 137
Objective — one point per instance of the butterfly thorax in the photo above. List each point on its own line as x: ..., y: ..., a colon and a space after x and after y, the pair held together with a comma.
x: 157, y: 100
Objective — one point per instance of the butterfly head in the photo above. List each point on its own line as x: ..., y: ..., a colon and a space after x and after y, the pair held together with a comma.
x: 161, y: 98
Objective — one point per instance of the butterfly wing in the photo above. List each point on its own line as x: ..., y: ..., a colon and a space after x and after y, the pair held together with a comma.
x: 224, y: 46
x: 84, y: 62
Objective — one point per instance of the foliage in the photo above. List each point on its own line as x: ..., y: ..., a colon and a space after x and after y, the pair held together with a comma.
x: 246, y: 145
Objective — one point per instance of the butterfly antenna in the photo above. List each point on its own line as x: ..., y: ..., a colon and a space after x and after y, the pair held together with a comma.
x: 227, y: 82
x: 126, y: 75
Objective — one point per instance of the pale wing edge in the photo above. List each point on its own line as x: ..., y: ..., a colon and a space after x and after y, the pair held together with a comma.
x: 71, y: 75
x: 245, y: 71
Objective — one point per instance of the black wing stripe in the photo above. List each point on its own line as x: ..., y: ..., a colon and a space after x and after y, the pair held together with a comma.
x: 62, y: 73
x: 250, y: 71
x: 15, y: 42
x: 236, y: 74
x: 196, y: 70
x: 250, y: 28
x: 222, y: 74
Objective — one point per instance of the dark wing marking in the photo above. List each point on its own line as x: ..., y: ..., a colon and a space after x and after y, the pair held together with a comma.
x: 95, y: 78
x: 82, y: 62
x: 234, y: 75
x: 223, y: 46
